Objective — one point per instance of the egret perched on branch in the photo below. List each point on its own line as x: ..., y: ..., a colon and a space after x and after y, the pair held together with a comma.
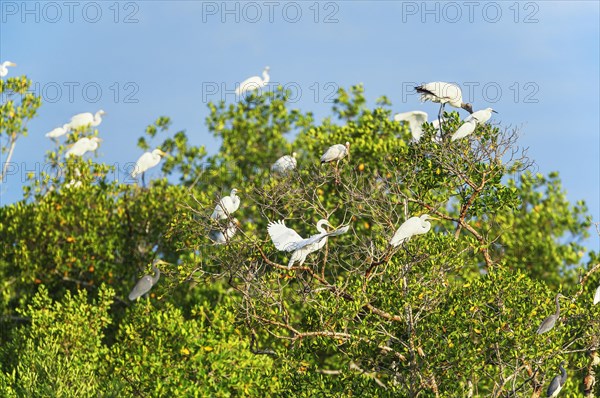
x: 82, y: 146
x: 226, y: 206
x: 286, y: 239
x: 597, y: 296
x: 481, y: 116
x: 411, y: 227
x: 284, y: 164
x: 147, y: 161
x: 443, y: 93
x: 144, y: 285
x: 4, y: 67
x: 85, y: 119
x: 415, y: 120
x: 550, y: 321
x: 253, y: 83
x: 59, y: 131
x: 557, y: 382
x: 220, y: 237
x: 336, y: 153
x: 471, y: 121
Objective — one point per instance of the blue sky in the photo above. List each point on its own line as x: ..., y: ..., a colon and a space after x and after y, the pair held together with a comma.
x: 537, y: 63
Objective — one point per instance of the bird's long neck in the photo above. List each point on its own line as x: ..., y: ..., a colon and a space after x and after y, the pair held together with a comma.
x: 266, y: 77
x: 320, y: 226
x: 563, y: 374
x: 97, y: 119
x: 557, y: 307
x: 156, y: 274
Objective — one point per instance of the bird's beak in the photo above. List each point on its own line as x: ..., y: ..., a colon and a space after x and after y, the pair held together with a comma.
x: 434, y: 218
x: 99, y: 139
x: 12, y: 64
x: 161, y: 262
x: 494, y: 111
x: 164, y: 154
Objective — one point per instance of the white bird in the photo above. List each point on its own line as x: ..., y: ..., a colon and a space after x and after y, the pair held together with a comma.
x: 415, y: 120
x: 147, y: 161
x: 254, y: 82
x: 286, y: 239
x: 85, y: 119
x: 59, y: 131
x: 464, y: 130
x: 226, y: 206
x: 481, y: 116
x: 146, y: 282
x: 220, y: 237
x: 412, y: 226
x: 4, y: 67
x: 284, y: 164
x: 443, y: 93
x: 82, y: 146
x: 336, y: 153
x: 597, y: 296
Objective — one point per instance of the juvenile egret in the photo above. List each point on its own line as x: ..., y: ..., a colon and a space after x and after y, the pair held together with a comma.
x: 222, y: 237
x: 412, y: 226
x: 286, y: 239
x: 443, y: 93
x: 59, y: 131
x: 147, y: 161
x: 4, y: 67
x: 415, y: 120
x: 82, y: 146
x: 597, y: 296
x: 284, y: 164
x: 226, y: 206
x: 464, y: 130
x: 557, y: 382
x: 144, y: 285
x: 253, y: 83
x: 85, y: 119
x: 550, y: 321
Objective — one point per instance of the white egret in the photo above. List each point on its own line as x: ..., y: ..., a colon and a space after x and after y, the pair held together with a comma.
x: 597, y: 296
x: 481, y: 116
x: 443, y: 93
x: 415, y: 120
x: 4, y: 67
x: 548, y: 323
x: 86, y: 119
x: 59, y: 131
x: 253, y: 83
x: 409, y: 228
x: 284, y: 164
x: 336, y: 153
x: 220, y: 237
x: 82, y: 146
x: 226, y: 206
x: 557, y: 382
x: 464, y: 130
x: 73, y: 184
x: 144, y: 285
x: 147, y: 161
x: 286, y: 239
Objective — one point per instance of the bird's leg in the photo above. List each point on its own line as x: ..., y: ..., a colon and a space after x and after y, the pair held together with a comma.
x: 440, y: 115
x: 143, y: 180
x: 337, y: 172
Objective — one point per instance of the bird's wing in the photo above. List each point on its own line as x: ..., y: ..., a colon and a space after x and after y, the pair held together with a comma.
x: 250, y: 83
x: 597, y: 296
x: 467, y: 128
x: 404, y: 232
x: 142, y: 164
x: 546, y: 324
x: 332, y: 153
x: 284, y: 238
x: 319, y: 237
x: 554, y: 387
x: 142, y: 287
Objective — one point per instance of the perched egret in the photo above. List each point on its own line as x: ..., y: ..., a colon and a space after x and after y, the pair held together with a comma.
x: 253, y: 83
x: 481, y: 116
x: 85, y: 119
x: 415, y: 120
x: 464, y: 130
x: 59, y: 131
x: 443, y: 93
x: 146, y: 282
x: 550, y: 321
x: 147, y: 161
x: 284, y: 164
x: 336, y: 153
x: 4, y: 67
x: 220, y: 237
x: 597, y: 296
x: 557, y: 382
x: 286, y: 239
x: 82, y: 146
x: 226, y: 206
x: 409, y: 228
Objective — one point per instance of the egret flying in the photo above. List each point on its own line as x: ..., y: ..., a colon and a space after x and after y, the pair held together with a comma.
x: 4, y: 67
x: 411, y: 227
x: 147, y: 161
x: 253, y: 83
x: 85, y: 119
x: 557, y: 382
x: 59, y: 131
x: 82, y: 146
x: 286, y: 239
x: 226, y: 206
x: 550, y: 321
x: 220, y: 237
x: 284, y: 164
x: 415, y: 120
x: 597, y: 296
x: 146, y: 282
x: 443, y: 93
